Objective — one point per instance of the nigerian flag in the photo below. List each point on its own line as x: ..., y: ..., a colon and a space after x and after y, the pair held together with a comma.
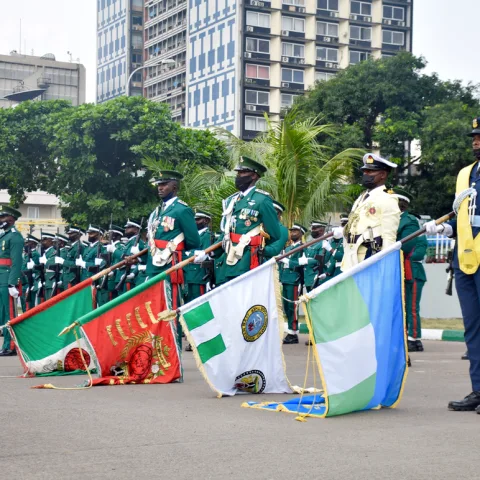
x: 236, y: 335
x: 357, y: 322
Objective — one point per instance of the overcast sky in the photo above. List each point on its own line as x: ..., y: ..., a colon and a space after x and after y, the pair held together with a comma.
x: 445, y: 33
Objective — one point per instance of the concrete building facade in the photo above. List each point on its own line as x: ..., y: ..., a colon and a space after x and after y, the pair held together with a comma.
x: 119, y: 47
x: 27, y: 77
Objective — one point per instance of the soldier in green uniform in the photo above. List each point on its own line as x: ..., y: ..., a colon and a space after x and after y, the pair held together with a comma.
x: 272, y: 249
x: 408, y: 225
x: 134, y: 245
x: 29, y: 274
x: 71, y: 271
x: 291, y: 277
x: 46, y: 275
x: 334, y: 252
x: 312, y: 265
x: 171, y: 230
x: 60, y: 248
x: 116, y: 249
x: 248, y: 217
x: 11, y: 248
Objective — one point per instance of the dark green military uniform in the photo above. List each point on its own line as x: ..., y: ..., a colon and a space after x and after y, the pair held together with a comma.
x: 11, y: 249
x: 140, y: 269
x: 274, y: 248
x: 196, y: 276
x: 419, y: 279
x: 71, y: 271
x: 134, y: 242
x: 46, y: 261
x: 333, y: 259
x: 311, y: 267
x: 29, y: 276
x: 61, y: 246
x: 291, y: 278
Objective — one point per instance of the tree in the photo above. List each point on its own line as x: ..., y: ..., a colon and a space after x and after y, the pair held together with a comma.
x: 99, y: 151
x: 25, y: 160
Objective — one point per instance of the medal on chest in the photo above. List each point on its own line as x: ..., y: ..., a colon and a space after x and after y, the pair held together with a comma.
x: 168, y: 223
x: 3, y: 245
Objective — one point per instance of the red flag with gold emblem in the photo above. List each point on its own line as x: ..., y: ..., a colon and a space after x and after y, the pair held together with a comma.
x: 131, y: 344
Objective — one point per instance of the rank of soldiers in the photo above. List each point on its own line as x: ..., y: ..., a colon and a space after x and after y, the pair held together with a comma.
x: 44, y: 265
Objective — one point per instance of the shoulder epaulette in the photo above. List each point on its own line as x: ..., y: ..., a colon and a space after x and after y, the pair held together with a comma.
x: 263, y: 192
x: 13, y: 230
x: 182, y: 202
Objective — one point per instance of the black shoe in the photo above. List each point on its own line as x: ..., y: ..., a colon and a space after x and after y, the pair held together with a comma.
x: 465, y: 356
x: 290, y: 339
x: 419, y: 345
x: 412, y: 345
x: 188, y: 348
x: 409, y: 362
x: 478, y: 410
x: 8, y: 353
x: 308, y: 343
x: 469, y: 403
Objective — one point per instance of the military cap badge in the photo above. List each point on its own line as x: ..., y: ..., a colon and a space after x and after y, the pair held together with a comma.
x: 370, y: 159
x: 475, y: 123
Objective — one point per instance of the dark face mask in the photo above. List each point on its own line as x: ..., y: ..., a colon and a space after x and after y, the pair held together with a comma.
x: 476, y: 153
x: 242, y: 183
x: 130, y: 234
x: 368, y: 181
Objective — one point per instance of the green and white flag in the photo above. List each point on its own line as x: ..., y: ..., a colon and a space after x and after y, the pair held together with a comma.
x: 236, y: 335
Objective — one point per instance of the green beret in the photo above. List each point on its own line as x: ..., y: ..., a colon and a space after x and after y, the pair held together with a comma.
x: 246, y: 164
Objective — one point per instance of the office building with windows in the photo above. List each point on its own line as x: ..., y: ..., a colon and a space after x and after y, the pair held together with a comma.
x: 119, y: 47
x: 27, y: 77
x: 245, y: 58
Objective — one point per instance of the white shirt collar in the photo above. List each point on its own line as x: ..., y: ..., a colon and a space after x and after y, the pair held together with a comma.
x: 168, y: 203
x: 202, y: 230
x: 49, y: 248
x: 114, y: 243
x: 296, y: 243
x: 94, y: 243
x: 247, y: 191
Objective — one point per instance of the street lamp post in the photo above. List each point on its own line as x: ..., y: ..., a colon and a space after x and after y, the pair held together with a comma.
x: 165, y: 61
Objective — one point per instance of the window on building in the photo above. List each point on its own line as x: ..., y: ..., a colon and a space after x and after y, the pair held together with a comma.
x: 357, y: 57
x: 297, y: 3
x: 137, y: 42
x: 293, y: 50
x: 257, y: 124
x: 327, y: 29
x: 33, y: 212
x: 327, y: 54
x: 393, y: 13
x: 254, y: 97
x: 293, y: 24
x: 287, y: 100
x: 292, y: 76
x: 257, y: 45
x: 258, y: 71
x: 328, y: 5
x: 323, y: 76
x: 137, y: 20
x: 393, y: 38
x: 361, y: 8
x: 256, y: 19
x: 361, y: 33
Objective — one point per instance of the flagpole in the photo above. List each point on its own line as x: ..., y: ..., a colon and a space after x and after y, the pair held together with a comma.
x: 440, y: 220
x: 135, y: 291
x: 304, y: 245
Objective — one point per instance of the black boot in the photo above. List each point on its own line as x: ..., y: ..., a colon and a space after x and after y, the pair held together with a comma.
x: 469, y: 403
x: 412, y: 345
x: 419, y: 345
x: 188, y: 348
x: 8, y: 353
x: 465, y: 356
x: 290, y: 339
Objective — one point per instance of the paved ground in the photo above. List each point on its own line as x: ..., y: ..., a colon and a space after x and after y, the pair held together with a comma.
x: 182, y: 431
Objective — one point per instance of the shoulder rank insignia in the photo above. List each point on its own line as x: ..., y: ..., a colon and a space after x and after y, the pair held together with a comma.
x: 263, y: 192
x: 182, y: 202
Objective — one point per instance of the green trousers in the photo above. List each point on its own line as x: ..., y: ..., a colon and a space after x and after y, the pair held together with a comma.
x: 7, y: 311
x: 413, y: 295
x: 290, y: 294
x: 193, y: 291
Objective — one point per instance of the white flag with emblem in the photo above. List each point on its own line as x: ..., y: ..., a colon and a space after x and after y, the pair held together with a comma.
x: 236, y: 334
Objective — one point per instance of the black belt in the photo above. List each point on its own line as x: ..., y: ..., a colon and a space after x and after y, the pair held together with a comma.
x: 354, y: 238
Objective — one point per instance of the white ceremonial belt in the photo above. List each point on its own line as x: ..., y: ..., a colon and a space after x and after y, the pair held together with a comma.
x: 235, y: 252
x: 163, y: 256
x: 476, y: 221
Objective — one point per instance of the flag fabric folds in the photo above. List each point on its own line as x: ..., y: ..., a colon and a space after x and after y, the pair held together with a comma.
x: 357, y: 322
x: 236, y: 335
x: 41, y: 351
x: 130, y: 343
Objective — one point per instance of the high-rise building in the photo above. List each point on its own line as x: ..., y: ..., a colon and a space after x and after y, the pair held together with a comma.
x: 26, y: 77
x: 119, y: 47
x: 166, y: 38
x: 245, y: 58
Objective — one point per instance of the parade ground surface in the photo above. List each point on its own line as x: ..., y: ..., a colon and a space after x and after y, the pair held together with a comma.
x: 181, y: 431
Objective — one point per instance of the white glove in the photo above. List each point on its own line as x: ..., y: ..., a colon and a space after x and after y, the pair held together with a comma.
x: 200, y: 256
x: 326, y: 245
x: 444, y: 228
x: 110, y: 248
x: 30, y: 265
x: 43, y: 259
x: 39, y: 284
x: 142, y: 268
x: 59, y: 260
x: 303, y: 260
x: 337, y: 233
x: 13, y: 292
x: 111, y: 274
x: 98, y: 262
x: 80, y: 263
x: 59, y: 284
x: 134, y: 250
x: 130, y: 276
x: 285, y: 261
